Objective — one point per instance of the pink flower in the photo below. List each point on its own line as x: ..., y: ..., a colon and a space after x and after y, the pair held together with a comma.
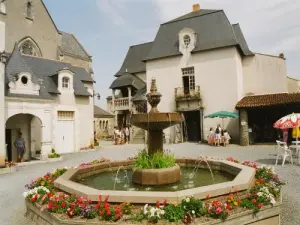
x: 219, y: 210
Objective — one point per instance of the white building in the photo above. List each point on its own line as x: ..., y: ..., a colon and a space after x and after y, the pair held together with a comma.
x: 48, y: 83
x: 202, y: 64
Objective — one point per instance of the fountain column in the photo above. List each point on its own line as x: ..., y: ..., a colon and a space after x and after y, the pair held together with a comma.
x: 155, y: 142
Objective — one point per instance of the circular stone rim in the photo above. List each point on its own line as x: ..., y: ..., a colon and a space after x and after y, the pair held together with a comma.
x: 161, y: 176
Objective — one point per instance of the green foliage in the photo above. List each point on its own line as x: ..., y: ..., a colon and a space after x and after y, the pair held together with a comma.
x: 174, y: 213
x: 192, y: 205
x: 157, y: 161
x: 53, y: 154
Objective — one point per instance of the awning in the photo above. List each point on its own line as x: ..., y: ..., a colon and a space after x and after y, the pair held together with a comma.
x: 127, y: 80
x: 259, y: 101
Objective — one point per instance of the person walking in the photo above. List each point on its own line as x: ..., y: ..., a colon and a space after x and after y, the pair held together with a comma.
x: 20, y: 146
x: 127, y: 134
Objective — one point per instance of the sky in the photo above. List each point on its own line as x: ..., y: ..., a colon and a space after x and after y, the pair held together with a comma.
x: 106, y: 28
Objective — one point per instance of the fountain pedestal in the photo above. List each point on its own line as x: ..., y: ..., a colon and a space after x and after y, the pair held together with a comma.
x: 155, y: 141
x: 155, y: 122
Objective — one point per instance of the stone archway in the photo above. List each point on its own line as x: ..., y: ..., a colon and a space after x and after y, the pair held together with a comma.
x: 31, y: 128
x: 43, y: 112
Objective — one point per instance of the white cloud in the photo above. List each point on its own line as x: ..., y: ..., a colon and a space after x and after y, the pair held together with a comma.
x: 272, y: 26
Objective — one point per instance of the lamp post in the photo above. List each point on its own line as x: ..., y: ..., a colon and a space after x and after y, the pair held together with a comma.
x: 97, y: 95
x: 3, y: 60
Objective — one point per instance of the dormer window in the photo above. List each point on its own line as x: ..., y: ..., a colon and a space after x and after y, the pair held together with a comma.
x: 2, y: 7
x: 29, y: 10
x: 65, y: 82
x: 24, y: 80
x: 187, y: 40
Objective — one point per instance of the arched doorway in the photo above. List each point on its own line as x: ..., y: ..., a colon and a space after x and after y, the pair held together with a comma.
x: 31, y: 128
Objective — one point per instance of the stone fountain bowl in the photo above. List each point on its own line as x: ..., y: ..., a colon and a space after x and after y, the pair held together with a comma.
x: 155, y: 121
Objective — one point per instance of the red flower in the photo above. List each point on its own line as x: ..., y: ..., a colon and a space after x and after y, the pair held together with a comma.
x: 165, y: 202
x: 253, y: 201
x: 157, y: 203
x: 63, y: 204
x: 101, y: 212
x: 50, y: 205
x: 260, y: 206
x: 108, y: 213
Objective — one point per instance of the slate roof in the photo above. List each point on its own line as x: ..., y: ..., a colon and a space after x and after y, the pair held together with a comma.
x: 257, y: 101
x: 101, y: 113
x: 213, y: 31
x: 140, y: 95
x: 72, y: 47
x: 133, y: 62
x: 128, y: 80
x: 43, y: 73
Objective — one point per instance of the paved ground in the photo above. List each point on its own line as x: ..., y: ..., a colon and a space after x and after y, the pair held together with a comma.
x: 12, y: 185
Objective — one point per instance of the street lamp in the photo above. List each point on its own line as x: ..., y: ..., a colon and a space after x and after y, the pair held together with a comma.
x: 97, y: 95
x: 3, y: 57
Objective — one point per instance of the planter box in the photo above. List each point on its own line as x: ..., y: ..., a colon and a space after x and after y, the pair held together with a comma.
x: 268, y: 216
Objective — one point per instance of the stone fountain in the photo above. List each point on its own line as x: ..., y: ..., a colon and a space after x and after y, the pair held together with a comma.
x: 155, y: 122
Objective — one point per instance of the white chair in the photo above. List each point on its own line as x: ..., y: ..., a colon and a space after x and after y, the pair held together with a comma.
x: 279, y: 144
x: 283, y: 151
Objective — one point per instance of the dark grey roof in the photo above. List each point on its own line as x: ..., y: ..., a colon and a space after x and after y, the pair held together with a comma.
x: 72, y: 47
x: 43, y: 72
x: 133, y: 62
x: 241, y: 39
x: 213, y: 31
x: 140, y: 95
x: 193, y: 14
x: 101, y: 113
x: 128, y: 80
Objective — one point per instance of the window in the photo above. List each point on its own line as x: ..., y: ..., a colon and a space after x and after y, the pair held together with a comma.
x: 24, y: 80
x: 28, y: 48
x: 100, y: 124
x: 187, y: 40
x: 65, y: 115
x: 2, y: 7
x: 65, y: 82
x: 188, y: 79
x: 29, y: 10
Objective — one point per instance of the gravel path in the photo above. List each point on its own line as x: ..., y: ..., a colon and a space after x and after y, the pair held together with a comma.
x: 12, y: 185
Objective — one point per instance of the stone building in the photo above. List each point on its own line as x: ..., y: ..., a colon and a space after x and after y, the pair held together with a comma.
x: 203, y: 64
x: 104, y: 123
x: 48, y: 83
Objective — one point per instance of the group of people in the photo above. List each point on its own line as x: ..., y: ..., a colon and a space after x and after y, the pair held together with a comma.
x: 121, y: 136
x: 218, y: 137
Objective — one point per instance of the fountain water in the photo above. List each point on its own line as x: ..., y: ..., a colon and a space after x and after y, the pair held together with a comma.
x: 126, y: 176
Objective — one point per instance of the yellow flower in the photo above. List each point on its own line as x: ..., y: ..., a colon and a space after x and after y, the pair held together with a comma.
x: 229, y: 200
x: 175, y: 203
x: 236, y: 204
x: 42, y: 183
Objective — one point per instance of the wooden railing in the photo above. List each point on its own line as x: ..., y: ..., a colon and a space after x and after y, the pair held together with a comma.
x: 182, y: 93
x: 121, y: 104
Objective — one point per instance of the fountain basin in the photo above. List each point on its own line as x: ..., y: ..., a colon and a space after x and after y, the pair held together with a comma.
x: 243, y: 180
x: 155, y: 121
x: 156, y: 176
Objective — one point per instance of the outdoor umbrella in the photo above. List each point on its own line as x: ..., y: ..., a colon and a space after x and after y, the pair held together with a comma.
x: 222, y: 115
x: 290, y: 121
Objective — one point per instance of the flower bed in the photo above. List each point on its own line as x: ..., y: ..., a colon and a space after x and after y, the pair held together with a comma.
x: 264, y: 194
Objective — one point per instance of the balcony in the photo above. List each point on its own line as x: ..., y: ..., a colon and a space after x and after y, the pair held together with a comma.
x: 184, y: 94
x: 121, y: 104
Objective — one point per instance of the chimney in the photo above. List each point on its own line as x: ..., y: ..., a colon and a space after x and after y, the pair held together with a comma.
x: 196, y: 7
x: 281, y: 55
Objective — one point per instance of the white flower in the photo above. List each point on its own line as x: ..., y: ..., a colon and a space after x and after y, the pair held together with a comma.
x: 273, y: 202
x: 187, y: 199
x: 193, y: 212
x: 145, y: 209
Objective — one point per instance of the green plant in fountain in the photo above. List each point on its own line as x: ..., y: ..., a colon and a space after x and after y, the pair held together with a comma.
x: 157, y: 161
x: 53, y: 154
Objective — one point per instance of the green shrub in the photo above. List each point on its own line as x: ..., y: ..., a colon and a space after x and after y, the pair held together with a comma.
x: 174, y: 213
x: 53, y: 154
x: 157, y: 161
